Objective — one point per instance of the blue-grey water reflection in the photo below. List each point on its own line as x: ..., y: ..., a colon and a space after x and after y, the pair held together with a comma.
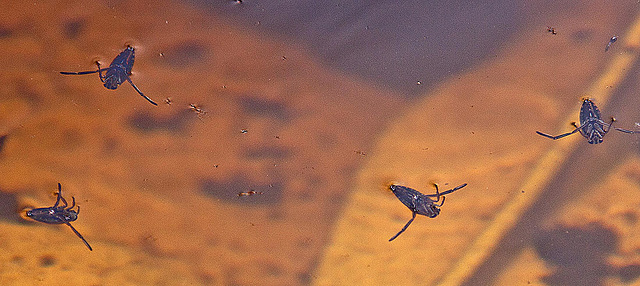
x: 392, y: 44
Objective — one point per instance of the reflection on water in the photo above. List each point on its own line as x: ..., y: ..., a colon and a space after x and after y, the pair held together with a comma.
x: 385, y: 42
x: 306, y: 105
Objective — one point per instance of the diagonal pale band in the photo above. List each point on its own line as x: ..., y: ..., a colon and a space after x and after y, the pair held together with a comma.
x: 338, y: 262
x: 549, y: 163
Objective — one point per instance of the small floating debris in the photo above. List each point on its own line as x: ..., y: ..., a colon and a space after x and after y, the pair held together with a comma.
x: 199, y: 111
x: 611, y: 41
x: 249, y: 193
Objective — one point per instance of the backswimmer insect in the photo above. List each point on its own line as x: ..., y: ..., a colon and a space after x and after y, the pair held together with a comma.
x: 591, y: 126
x: 118, y: 71
x: 58, y: 214
x: 419, y: 203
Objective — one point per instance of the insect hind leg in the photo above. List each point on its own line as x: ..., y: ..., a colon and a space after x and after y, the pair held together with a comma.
x: 558, y: 136
x: 446, y: 192
x: 625, y: 130
x: 79, y: 235
x: 404, y: 228
x: 79, y: 73
x: 140, y: 92
x: 99, y: 71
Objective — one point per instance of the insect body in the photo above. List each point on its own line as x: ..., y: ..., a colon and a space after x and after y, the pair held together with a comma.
x: 591, y: 126
x: 420, y: 203
x: 58, y: 214
x: 118, y: 71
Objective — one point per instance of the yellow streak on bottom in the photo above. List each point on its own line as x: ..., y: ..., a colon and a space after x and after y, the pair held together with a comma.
x: 486, y: 242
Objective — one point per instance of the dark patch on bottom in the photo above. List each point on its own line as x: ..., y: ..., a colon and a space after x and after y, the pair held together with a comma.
x: 147, y: 122
x: 580, y: 254
x: 184, y: 54
x: 629, y: 273
x: 73, y: 29
x: 5, y: 32
x: 229, y: 190
x: 3, y: 138
x: 9, y: 208
x: 47, y: 261
x: 17, y: 259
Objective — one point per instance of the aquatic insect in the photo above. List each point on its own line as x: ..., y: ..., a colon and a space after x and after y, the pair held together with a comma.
x: 611, y: 41
x: 118, y: 71
x: 58, y: 214
x: 591, y: 126
x: 419, y: 203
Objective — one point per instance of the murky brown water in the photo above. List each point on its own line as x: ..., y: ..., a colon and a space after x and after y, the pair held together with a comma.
x: 315, y: 108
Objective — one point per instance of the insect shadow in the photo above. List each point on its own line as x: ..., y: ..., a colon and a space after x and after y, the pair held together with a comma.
x: 118, y: 71
x: 591, y: 126
x: 58, y: 214
x: 419, y: 203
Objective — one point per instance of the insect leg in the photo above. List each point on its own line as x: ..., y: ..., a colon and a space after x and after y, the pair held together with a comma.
x: 610, y: 125
x: 619, y: 129
x: 140, y: 92
x: 624, y: 130
x: 79, y: 73
x: 447, y: 192
x: 59, y: 196
x: 454, y: 189
x: 63, y: 201
x: 437, y: 192
x: 100, y: 71
x: 558, y: 136
x: 80, y: 236
x: 404, y: 228
x: 73, y: 203
x: 441, y: 203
